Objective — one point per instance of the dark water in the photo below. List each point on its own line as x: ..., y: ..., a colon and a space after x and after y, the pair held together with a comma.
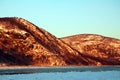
x: 61, y: 73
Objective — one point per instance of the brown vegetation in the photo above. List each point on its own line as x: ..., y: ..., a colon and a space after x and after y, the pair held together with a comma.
x: 103, y: 50
x: 23, y: 43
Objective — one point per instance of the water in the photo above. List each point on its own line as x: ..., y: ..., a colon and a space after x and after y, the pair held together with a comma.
x: 58, y: 73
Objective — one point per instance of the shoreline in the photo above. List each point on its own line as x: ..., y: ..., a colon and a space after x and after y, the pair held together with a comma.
x: 29, y: 70
x: 23, y: 67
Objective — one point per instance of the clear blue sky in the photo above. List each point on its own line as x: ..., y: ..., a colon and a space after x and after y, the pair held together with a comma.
x: 68, y: 17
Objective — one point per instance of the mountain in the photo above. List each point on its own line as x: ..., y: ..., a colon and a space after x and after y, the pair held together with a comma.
x: 23, y: 43
x: 104, y: 50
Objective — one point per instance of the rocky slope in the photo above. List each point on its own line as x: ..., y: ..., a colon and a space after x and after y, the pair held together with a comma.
x: 104, y: 50
x: 23, y: 43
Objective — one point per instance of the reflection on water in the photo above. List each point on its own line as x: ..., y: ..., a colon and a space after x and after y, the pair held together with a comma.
x: 68, y: 75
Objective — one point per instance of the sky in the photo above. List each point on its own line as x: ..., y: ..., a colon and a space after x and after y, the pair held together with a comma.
x: 68, y: 17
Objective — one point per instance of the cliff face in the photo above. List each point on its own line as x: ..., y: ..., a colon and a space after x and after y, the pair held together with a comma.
x: 103, y: 50
x: 23, y: 43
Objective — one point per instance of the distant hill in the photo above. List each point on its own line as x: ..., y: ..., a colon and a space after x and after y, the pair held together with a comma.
x: 23, y: 43
x: 102, y: 49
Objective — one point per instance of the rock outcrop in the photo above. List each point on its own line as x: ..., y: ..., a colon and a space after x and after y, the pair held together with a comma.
x: 23, y: 43
x: 103, y: 50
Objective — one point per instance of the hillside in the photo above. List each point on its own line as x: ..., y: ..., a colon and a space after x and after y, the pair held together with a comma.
x: 102, y: 49
x: 23, y: 43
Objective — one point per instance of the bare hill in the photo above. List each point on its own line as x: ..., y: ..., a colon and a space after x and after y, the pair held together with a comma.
x: 23, y: 43
x: 102, y: 49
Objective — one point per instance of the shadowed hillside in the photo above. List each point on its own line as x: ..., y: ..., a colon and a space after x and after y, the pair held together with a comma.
x: 23, y: 43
